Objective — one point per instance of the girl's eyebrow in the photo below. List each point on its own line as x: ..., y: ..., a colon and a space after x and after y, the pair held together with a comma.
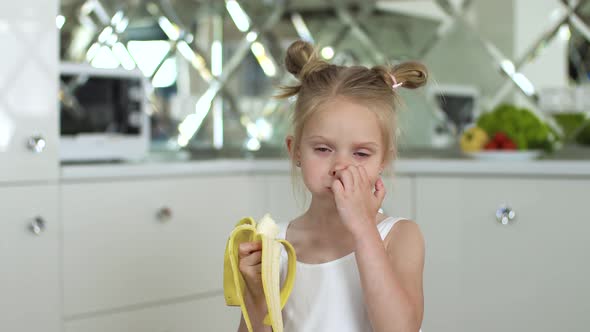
x: 316, y: 137
x: 367, y: 144
x: 320, y: 137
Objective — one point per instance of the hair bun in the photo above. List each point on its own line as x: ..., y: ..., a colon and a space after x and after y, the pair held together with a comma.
x: 412, y: 74
x: 298, y: 55
x: 302, y: 60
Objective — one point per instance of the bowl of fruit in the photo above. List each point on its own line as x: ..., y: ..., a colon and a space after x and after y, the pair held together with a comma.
x: 509, y: 133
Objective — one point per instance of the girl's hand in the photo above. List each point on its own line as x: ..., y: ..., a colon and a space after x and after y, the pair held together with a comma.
x: 356, y: 203
x: 250, y: 258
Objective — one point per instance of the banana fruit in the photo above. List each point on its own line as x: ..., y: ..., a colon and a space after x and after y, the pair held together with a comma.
x: 265, y: 231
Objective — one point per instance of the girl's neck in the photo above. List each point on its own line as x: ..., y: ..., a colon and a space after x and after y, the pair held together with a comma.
x: 322, y: 213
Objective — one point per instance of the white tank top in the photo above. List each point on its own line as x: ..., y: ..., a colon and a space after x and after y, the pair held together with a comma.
x: 327, y: 296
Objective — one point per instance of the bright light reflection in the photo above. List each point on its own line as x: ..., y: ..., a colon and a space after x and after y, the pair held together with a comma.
x: 524, y: 83
x: 112, y: 39
x: 216, y: 58
x: 166, y: 75
x: 60, y: 20
x: 265, y: 62
x: 117, y: 17
x: 105, y: 34
x: 105, y: 59
x: 518, y: 78
x: 189, y: 126
x: 564, y: 32
x: 195, y: 59
x: 253, y: 144
x: 508, y: 67
x: 148, y: 54
x: 169, y: 29
x: 122, y: 25
x: 301, y: 28
x: 251, y: 36
x: 92, y: 51
x: 327, y: 52
x: 264, y: 129
x: 123, y: 56
x: 238, y: 15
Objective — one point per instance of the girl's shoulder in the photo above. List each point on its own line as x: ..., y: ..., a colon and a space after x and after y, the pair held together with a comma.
x: 403, y: 233
x: 385, y: 224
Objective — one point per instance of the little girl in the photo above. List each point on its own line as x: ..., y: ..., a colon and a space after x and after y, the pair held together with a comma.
x: 357, y: 269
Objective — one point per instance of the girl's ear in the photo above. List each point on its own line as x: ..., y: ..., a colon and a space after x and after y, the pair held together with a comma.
x: 289, y: 141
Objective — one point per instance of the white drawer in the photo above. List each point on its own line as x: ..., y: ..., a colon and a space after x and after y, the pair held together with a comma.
x: 526, y: 275
x: 118, y: 253
x: 209, y: 314
x: 29, y: 261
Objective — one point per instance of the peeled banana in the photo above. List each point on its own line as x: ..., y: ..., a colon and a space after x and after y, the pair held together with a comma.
x: 266, y: 231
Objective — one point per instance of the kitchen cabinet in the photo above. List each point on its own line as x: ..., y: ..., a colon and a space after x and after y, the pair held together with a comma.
x: 209, y: 314
x: 154, y: 248
x: 29, y: 259
x: 399, y: 196
x: 29, y: 133
x: 526, y: 272
x: 131, y: 243
x: 286, y: 198
x: 30, y: 298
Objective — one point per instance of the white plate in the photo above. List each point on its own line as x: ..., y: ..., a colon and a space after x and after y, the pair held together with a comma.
x: 505, y: 155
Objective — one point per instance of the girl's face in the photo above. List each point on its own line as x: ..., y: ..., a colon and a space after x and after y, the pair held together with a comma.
x: 340, y: 134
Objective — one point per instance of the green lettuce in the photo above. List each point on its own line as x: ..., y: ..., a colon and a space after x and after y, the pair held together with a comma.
x: 521, y: 125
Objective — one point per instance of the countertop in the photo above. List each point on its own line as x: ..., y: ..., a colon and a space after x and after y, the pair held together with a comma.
x: 409, y: 163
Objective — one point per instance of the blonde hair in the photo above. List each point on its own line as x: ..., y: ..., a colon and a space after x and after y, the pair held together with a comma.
x: 320, y: 81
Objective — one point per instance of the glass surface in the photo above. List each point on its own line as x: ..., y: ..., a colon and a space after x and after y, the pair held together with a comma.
x: 215, y: 66
x: 99, y: 105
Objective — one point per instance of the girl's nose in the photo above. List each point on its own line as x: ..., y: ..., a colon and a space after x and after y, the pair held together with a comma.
x: 338, y: 166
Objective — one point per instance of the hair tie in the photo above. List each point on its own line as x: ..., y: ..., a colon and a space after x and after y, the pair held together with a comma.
x: 395, y: 83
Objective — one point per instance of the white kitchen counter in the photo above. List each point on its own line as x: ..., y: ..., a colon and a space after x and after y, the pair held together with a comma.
x: 421, y: 166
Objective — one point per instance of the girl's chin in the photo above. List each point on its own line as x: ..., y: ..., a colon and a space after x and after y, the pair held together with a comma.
x: 326, y: 191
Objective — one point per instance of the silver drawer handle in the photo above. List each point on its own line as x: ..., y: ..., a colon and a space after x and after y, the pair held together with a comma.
x: 37, y: 226
x: 505, y: 214
x: 36, y: 144
x: 164, y: 214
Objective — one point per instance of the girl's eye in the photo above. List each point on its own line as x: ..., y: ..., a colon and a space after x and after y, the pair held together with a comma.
x: 362, y: 154
x: 322, y: 149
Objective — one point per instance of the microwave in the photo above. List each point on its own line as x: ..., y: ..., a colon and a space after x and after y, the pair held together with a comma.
x: 103, y: 114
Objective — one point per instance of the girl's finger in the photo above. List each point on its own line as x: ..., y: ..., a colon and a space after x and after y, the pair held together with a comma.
x: 379, y: 191
x: 337, y: 188
x: 364, y: 175
x: 246, y: 248
x: 356, y: 176
x: 346, y: 178
x: 253, y: 259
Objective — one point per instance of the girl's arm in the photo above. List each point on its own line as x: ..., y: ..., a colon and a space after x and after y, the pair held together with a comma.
x: 256, y: 311
x: 391, y: 276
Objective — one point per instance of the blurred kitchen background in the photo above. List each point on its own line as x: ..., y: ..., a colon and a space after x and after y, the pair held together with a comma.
x: 135, y: 134
x: 213, y: 67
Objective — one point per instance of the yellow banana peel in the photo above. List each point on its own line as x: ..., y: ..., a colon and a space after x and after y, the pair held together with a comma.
x: 266, y: 231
